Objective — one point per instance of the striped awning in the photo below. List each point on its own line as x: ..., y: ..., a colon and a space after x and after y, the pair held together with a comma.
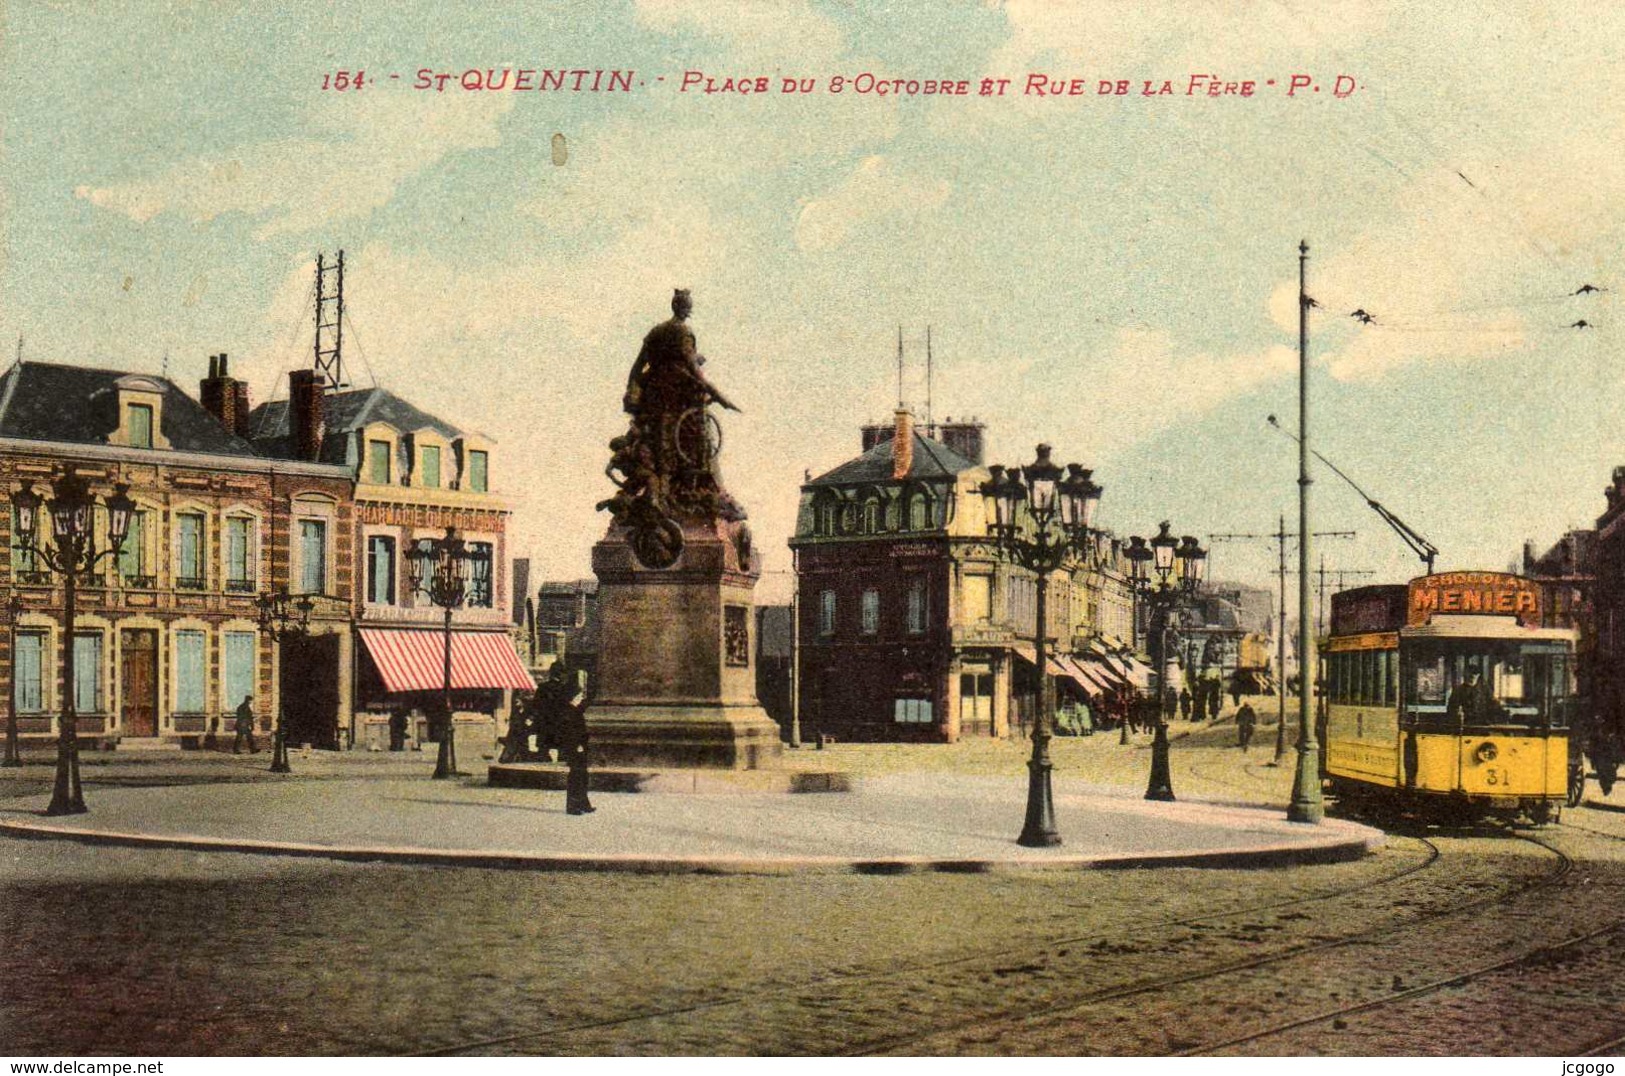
x: 414, y: 660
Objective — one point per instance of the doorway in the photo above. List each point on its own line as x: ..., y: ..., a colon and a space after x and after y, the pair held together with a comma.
x: 138, y: 679
x: 310, y: 690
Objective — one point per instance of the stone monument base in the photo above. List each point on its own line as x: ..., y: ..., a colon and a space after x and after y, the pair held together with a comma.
x: 550, y: 776
x: 662, y: 736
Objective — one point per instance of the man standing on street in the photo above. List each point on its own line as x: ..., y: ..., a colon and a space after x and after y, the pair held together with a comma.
x: 1246, y: 721
x: 572, y: 718
x: 245, y: 728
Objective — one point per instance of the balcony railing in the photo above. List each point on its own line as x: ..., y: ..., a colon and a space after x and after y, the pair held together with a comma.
x: 240, y: 586
x: 189, y: 582
x: 33, y: 578
x: 136, y: 581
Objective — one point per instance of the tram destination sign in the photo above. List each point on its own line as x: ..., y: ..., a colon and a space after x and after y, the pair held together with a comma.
x: 1474, y: 593
x: 1378, y: 608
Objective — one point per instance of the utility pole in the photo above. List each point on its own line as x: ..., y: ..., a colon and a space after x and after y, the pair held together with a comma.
x: 1342, y: 574
x: 1306, y: 803
x: 1280, y: 539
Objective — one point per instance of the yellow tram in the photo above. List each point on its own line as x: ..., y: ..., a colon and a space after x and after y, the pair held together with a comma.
x: 1447, y: 695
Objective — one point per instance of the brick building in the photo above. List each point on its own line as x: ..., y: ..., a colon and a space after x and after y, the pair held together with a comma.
x: 167, y: 639
x: 912, y: 627
x: 413, y: 476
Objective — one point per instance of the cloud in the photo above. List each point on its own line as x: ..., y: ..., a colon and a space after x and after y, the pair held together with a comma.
x: 361, y: 150
x: 878, y: 193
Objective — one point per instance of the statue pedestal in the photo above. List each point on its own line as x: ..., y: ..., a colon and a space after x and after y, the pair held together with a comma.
x: 677, y: 657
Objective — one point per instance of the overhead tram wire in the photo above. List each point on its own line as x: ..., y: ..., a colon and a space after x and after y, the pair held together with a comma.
x: 1419, y: 545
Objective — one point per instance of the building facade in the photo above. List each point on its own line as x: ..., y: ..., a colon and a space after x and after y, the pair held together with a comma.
x: 167, y: 641
x: 413, y: 475
x: 912, y: 627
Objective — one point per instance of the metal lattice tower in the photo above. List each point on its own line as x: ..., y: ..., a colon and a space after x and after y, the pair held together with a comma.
x: 330, y: 322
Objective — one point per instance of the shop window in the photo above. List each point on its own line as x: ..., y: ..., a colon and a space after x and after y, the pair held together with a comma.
x: 912, y: 711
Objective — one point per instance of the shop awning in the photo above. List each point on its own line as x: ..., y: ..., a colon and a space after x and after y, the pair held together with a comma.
x: 1064, y: 668
x: 414, y: 660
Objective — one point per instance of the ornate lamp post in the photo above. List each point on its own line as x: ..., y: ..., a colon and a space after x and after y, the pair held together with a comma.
x: 1168, y: 555
x: 442, y: 568
x: 1055, y: 526
x: 282, y: 617
x: 71, y: 553
x: 14, y: 609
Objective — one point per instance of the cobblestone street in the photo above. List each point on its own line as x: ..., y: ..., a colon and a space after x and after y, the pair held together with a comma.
x: 1482, y: 941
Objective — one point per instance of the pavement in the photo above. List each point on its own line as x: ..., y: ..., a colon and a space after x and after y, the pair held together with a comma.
x: 381, y: 809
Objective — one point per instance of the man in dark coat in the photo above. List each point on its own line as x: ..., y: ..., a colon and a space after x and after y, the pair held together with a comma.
x: 1185, y: 703
x: 245, y: 728
x: 572, y: 726
x: 1246, y: 721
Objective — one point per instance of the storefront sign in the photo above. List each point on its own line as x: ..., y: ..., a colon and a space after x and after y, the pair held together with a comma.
x: 1474, y: 593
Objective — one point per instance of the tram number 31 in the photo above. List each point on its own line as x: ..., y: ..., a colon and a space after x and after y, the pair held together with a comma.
x: 1493, y: 776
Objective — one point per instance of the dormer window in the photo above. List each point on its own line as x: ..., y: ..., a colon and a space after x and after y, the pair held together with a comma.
x: 429, y: 467
x: 140, y: 420
x: 140, y: 413
x: 378, y: 453
x: 478, y: 470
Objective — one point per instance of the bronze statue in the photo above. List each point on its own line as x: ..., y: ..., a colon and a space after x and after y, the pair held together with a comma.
x: 665, y: 465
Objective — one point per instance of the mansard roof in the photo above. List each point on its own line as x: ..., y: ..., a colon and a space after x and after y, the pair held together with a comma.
x: 931, y: 460
x: 41, y: 401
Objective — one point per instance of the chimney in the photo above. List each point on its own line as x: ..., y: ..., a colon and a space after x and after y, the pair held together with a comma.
x: 902, y: 445
x: 239, y: 392
x: 877, y: 434
x: 214, y: 392
x: 306, y: 418
x: 964, y: 439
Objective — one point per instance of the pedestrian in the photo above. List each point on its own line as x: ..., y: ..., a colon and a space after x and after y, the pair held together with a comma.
x: 572, y: 714
x: 1246, y: 721
x: 1169, y: 702
x: 1235, y: 693
x: 1185, y: 703
x: 397, y: 729
x: 245, y: 728
x: 516, y: 744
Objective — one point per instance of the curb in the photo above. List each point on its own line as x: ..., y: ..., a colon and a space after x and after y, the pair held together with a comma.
x: 1349, y: 847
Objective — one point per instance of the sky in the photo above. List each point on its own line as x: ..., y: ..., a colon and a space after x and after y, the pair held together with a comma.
x: 1115, y: 275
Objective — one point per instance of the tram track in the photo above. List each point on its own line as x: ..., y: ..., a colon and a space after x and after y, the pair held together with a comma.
x: 992, y: 1027
x: 1530, y: 958
x: 1005, y: 956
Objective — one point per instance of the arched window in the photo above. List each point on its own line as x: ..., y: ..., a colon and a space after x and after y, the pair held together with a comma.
x: 919, y: 512
x: 871, y: 516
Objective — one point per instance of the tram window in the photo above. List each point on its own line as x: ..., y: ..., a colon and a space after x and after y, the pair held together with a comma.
x: 1428, y: 680
x: 1391, y: 662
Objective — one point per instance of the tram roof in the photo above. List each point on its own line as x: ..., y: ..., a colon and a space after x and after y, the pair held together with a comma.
x: 1447, y: 626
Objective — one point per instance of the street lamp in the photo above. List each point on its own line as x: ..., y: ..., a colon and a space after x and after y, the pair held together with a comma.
x: 14, y: 609
x: 283, y: 617
x: 71, y: 553
x: 1060, y: 512
x: 442, y: 568
x: 1170, y: 557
